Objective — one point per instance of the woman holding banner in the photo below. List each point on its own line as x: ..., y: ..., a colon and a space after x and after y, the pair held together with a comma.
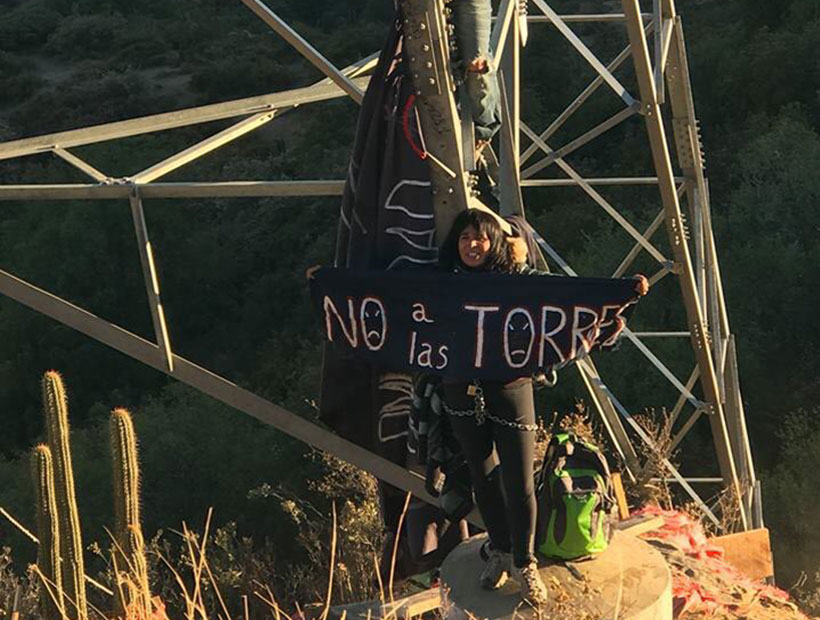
x: 497, y: 416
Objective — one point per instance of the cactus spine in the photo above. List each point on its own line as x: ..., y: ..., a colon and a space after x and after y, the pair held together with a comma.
x: 71, y: 545
x: 48, y: 531
x: 134, y: 594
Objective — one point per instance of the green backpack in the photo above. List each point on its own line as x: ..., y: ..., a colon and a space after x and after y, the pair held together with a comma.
x: 575, y: 500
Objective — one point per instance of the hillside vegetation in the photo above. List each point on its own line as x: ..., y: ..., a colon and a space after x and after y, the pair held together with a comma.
x: 231, y: 270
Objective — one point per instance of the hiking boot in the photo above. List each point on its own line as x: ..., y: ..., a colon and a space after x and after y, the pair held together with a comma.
x: 533, y: 589
x: 496, y: 570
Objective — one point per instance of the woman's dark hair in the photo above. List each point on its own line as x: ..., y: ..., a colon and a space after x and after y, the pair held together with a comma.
x: 499, y: 258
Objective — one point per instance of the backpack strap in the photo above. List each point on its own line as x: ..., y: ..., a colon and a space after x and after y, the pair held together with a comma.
x: 420, y: 421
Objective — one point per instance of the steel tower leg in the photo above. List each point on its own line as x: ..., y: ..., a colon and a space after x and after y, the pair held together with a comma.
x: 666, y: 180
x: 426, y: 41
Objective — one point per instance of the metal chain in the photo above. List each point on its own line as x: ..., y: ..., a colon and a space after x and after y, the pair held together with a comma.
x: 480, y: 404
x: 466, y: 413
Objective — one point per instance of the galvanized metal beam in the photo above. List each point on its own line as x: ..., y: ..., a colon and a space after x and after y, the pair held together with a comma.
x: 690, y: 384
x: 664, y: 370
x: 305, y: 49
x: 609, y: 417
x: 664, y: 461
x: 81, y: 165
x: 573, y: 107
x: 660, y: 152
x: 600, y: 200
x: 149, y: 272
x: 213, y: 385
x: 592, y: 381
x: 710, y: 286
x: 590, y: 181
x: 659, y: 275
x: 509, y: 91
x: 687, y: 426
x: 585, y: 138
x: 636, y: 249
x: 427, y: 50
x: 224, y: 189
x: 512, y: 202
x: 736, y: 422
x: 203, y: 147
x: 584, y: 18
x: 171, y: 120
x: 501, y: 28
x: 586, y: 53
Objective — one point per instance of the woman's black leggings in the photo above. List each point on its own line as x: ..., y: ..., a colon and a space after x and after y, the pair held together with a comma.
x: 509, y: 515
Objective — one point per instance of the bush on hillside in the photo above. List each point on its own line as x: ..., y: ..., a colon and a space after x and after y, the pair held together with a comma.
x: 27, y: 26
x: 88, y: 36
x: 16, y: 83
x: 791, y: 500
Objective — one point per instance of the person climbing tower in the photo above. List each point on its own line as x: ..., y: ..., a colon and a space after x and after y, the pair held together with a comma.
x: 472, y: 20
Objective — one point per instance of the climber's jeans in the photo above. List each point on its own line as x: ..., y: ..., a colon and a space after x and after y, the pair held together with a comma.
x: 472, y: 19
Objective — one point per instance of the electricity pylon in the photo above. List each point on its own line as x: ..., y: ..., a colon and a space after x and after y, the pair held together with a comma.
x: 663, y: 99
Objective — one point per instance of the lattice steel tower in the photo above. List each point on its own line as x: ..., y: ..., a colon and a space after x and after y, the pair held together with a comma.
x: 662, y: 107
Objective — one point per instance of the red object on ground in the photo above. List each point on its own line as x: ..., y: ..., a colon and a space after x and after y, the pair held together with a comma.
x: 705, y: 584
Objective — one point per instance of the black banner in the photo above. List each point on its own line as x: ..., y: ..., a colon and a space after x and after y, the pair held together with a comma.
x: 386, y: 221
x: 468, y: 325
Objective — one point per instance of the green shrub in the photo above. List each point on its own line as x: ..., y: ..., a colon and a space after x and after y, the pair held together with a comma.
x: 27, y: 26
x: 88, y: 36
x: 791, y: 497
x: 242, y: 77
x: 16, y: 83
x: 90, y: 98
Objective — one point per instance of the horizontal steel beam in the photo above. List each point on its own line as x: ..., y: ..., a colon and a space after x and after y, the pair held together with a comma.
x: 596, y: 181
x: 171, y: 120
x: 661, y: 335
x: 690, y: 480
x: 581, y: 18
x: 226, y: 189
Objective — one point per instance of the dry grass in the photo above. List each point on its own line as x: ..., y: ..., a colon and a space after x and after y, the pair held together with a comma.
x: 217, y: 575
x: 807, y: 593
x: 651, y: 487
x: 12, y: 587
x: 579, y: 422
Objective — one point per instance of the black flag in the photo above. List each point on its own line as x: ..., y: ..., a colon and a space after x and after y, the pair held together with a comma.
x: 386, y: 223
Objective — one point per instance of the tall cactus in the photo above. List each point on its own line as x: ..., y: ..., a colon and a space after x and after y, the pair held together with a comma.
x: 134, y: 594
x: 71, y: 545
x: 48, y: 531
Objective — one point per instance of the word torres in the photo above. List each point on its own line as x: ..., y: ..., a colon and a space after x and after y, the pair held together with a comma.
x: 540, y: 336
